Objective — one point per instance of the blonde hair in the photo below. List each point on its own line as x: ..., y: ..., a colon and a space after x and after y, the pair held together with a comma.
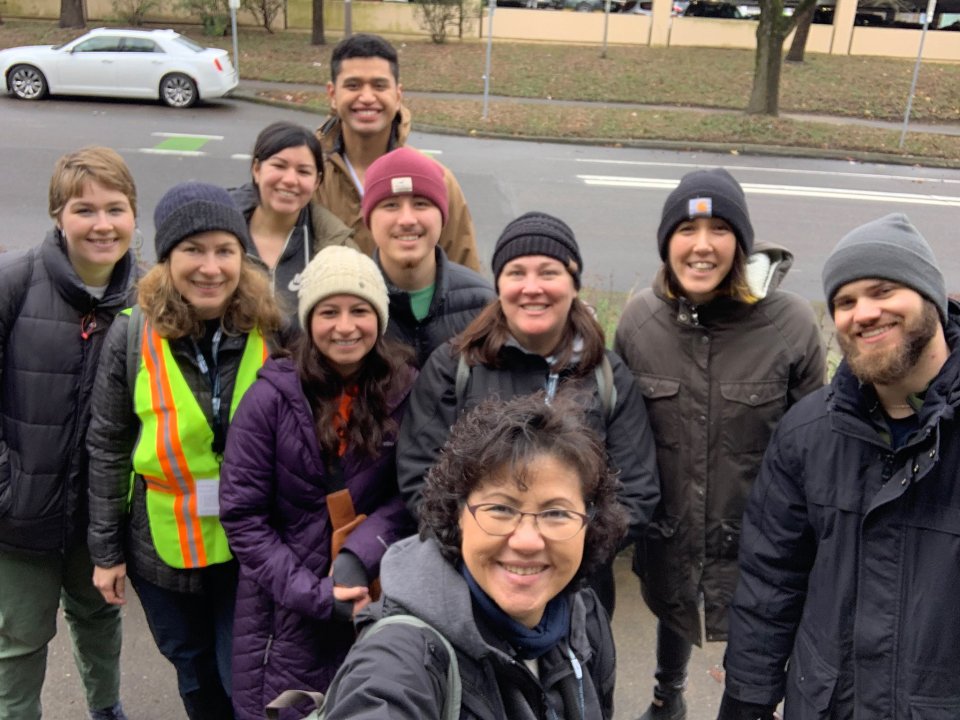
x: 252, y: 304
x: 90, y: 164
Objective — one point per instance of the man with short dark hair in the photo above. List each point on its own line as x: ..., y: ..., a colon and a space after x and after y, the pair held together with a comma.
x: 405, y: 207
x: 367, y: 119
x: 849, y: 571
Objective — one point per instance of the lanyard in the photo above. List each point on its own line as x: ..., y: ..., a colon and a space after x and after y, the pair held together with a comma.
x: 353, y: 174
x: 213, y: 376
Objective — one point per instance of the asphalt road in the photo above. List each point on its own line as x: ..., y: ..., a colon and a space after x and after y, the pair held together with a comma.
x: 149, y: 686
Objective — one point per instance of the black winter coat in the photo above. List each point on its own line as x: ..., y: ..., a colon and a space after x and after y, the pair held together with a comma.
x: 51, y: 333
x: 433, y: 409
x: 850, y: 560
x: 400, y: 672
x: 459, y: 296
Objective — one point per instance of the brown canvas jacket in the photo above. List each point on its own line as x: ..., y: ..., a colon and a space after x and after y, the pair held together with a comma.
x: 338, y: 193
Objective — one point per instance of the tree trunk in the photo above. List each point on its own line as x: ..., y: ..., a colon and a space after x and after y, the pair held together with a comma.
x: 317, y: 37
x: 799, y: 44
x: 71, y: 14
x: 765, y: 96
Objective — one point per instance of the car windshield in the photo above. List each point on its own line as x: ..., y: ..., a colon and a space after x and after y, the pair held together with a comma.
x: 188, y: 43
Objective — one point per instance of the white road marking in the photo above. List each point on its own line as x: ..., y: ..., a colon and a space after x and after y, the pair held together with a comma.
x: 185, y: 153
x: 187, y: 135
x: 785, y: 190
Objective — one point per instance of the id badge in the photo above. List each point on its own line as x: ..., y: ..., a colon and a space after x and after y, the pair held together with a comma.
x: 208, y: 497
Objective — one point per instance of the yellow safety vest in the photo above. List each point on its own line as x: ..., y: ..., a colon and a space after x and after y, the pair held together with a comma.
x: 175, y: 457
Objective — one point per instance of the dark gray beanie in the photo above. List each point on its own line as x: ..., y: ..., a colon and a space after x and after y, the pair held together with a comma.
x: 536, y: 233
x: 706, y: 193
x: 890, y: 248
x: 194, y: 207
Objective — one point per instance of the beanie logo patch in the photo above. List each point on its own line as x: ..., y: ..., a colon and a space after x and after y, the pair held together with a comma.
x: 400, y: 185
x: 700, y: 207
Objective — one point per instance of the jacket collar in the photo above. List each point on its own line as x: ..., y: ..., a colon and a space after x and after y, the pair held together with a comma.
x: 53, y: 253
x: 440, y: 283
x: 331, y: 132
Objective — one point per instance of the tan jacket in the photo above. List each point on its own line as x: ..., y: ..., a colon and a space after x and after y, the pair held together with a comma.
x: 339, y: 193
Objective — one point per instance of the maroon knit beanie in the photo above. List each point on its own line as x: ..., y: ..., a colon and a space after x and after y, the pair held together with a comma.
x: 404, y: 171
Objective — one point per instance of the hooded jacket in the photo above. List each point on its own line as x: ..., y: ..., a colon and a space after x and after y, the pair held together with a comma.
x: 49, y: 353
x: 458, y: 297
x: 273, y: 506
x: 317, y: 224
x: 849, y: 560
x: 716, y: 378
x: 339, y: 193
x: 404, y: 668
x: 434, y: 408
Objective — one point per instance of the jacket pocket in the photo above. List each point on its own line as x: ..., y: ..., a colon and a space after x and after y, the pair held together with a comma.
x: 663, y: 408
x: 749, y: 412
x: 925, y: 708
x: 656, y: 561
x: 810, y: 682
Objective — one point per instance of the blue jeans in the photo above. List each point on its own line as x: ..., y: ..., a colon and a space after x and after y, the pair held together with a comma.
x: 195, y: 633
x: 673, y: 655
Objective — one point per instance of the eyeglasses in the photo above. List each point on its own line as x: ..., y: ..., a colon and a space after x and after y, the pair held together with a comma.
x: 552, y: 524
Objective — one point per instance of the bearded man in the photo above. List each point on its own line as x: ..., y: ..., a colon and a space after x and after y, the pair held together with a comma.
x: 847, y: 604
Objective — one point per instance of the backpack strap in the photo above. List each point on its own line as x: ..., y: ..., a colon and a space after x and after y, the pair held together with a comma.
x: 452, y: 698
x: 605, y: 386
x: 134, y: 342
x: 293, y: 698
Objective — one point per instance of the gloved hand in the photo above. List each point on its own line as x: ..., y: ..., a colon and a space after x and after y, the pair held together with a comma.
x: 733, y: 709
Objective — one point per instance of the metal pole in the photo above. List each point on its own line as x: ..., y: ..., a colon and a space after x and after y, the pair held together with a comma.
x: 233, y: 32
x: 606, y: 21
x: 347, y: 18
x: 931, y: 7
x: 486, y: 71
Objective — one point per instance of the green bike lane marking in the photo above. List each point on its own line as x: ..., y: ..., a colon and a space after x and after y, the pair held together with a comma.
x: 181, y: 144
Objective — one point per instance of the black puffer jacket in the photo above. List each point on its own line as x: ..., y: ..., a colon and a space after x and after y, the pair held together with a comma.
x: 119, y: 534
x: 459, y: 296
x: 433, y: 409
x: 48, y: 375
x: 400, y: 672
x: 850, y: 560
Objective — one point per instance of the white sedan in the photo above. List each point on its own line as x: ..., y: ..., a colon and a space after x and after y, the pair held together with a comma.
x: 121, y: 63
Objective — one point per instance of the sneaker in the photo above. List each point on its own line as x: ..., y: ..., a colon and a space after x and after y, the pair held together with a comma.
x: 114, y: 712
x: 673, y: 707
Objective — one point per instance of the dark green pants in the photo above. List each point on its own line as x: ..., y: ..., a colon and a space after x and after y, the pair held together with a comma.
x: 31, y: 590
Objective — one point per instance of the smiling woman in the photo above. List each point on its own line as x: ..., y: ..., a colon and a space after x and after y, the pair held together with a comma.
x: 519, y: 508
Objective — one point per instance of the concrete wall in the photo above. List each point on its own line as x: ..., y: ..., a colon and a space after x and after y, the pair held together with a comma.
x: 397, y: 18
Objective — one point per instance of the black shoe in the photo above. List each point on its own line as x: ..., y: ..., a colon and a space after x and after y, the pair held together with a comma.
x: 673, y: 707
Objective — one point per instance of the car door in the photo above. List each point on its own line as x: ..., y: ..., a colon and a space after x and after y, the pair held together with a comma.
x: 140, y: 68
x: 89, y: 68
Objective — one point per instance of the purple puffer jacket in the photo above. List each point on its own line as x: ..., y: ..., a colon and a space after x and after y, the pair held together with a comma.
x: 273, y: 507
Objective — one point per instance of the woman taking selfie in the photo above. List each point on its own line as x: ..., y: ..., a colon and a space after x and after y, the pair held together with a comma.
x: 519, y: 508
x: 720, y: 354
x: 172, y: 373
x: 316, y: 430
x: 537, y: 336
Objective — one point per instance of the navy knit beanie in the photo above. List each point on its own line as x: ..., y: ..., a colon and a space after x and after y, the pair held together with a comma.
x: 706, y: 193
x: 889, y: 248
x: 537, y: 233
x: 191, y: 208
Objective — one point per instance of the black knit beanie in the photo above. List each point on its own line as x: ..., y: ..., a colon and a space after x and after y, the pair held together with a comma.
x: 191, y: 208
x: 536, y: 233
x: 706, y: 193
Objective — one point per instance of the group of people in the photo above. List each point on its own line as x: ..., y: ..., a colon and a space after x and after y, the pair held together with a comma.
x: 313, y: 415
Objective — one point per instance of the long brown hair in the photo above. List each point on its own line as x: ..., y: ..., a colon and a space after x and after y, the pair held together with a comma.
x: 252, y: 305
x: 387, y: 363
x: 481, y: 341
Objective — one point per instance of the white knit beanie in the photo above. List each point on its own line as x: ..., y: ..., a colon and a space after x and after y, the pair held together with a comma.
x: 340, y: 270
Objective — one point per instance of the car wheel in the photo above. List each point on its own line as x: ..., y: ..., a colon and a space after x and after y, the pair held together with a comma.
x: 179, y: 91
x: 27, y: 82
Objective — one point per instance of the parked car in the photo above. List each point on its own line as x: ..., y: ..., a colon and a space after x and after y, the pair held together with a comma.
x: 159, y: 64
x: 589, y: 5
x: 700, y: 8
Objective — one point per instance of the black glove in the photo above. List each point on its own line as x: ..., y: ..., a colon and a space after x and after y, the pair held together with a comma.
x: 733, y: 709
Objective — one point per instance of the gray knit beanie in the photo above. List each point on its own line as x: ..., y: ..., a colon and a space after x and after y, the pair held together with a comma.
x: 706, y: 193
x: 537, y: 233
x: 340, y: 270
x: 890, y: 248
x: 191, y: 208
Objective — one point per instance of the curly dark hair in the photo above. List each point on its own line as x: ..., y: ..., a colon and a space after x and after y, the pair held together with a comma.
x: 497, y: 435
x: 386, y: 365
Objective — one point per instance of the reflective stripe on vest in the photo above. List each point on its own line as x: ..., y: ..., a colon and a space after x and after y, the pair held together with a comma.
x: 174, y: 452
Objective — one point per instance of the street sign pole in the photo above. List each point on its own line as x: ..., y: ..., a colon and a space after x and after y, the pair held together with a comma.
x: 234, y: 6
x: 931, y: 7
x: 486, y: 72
